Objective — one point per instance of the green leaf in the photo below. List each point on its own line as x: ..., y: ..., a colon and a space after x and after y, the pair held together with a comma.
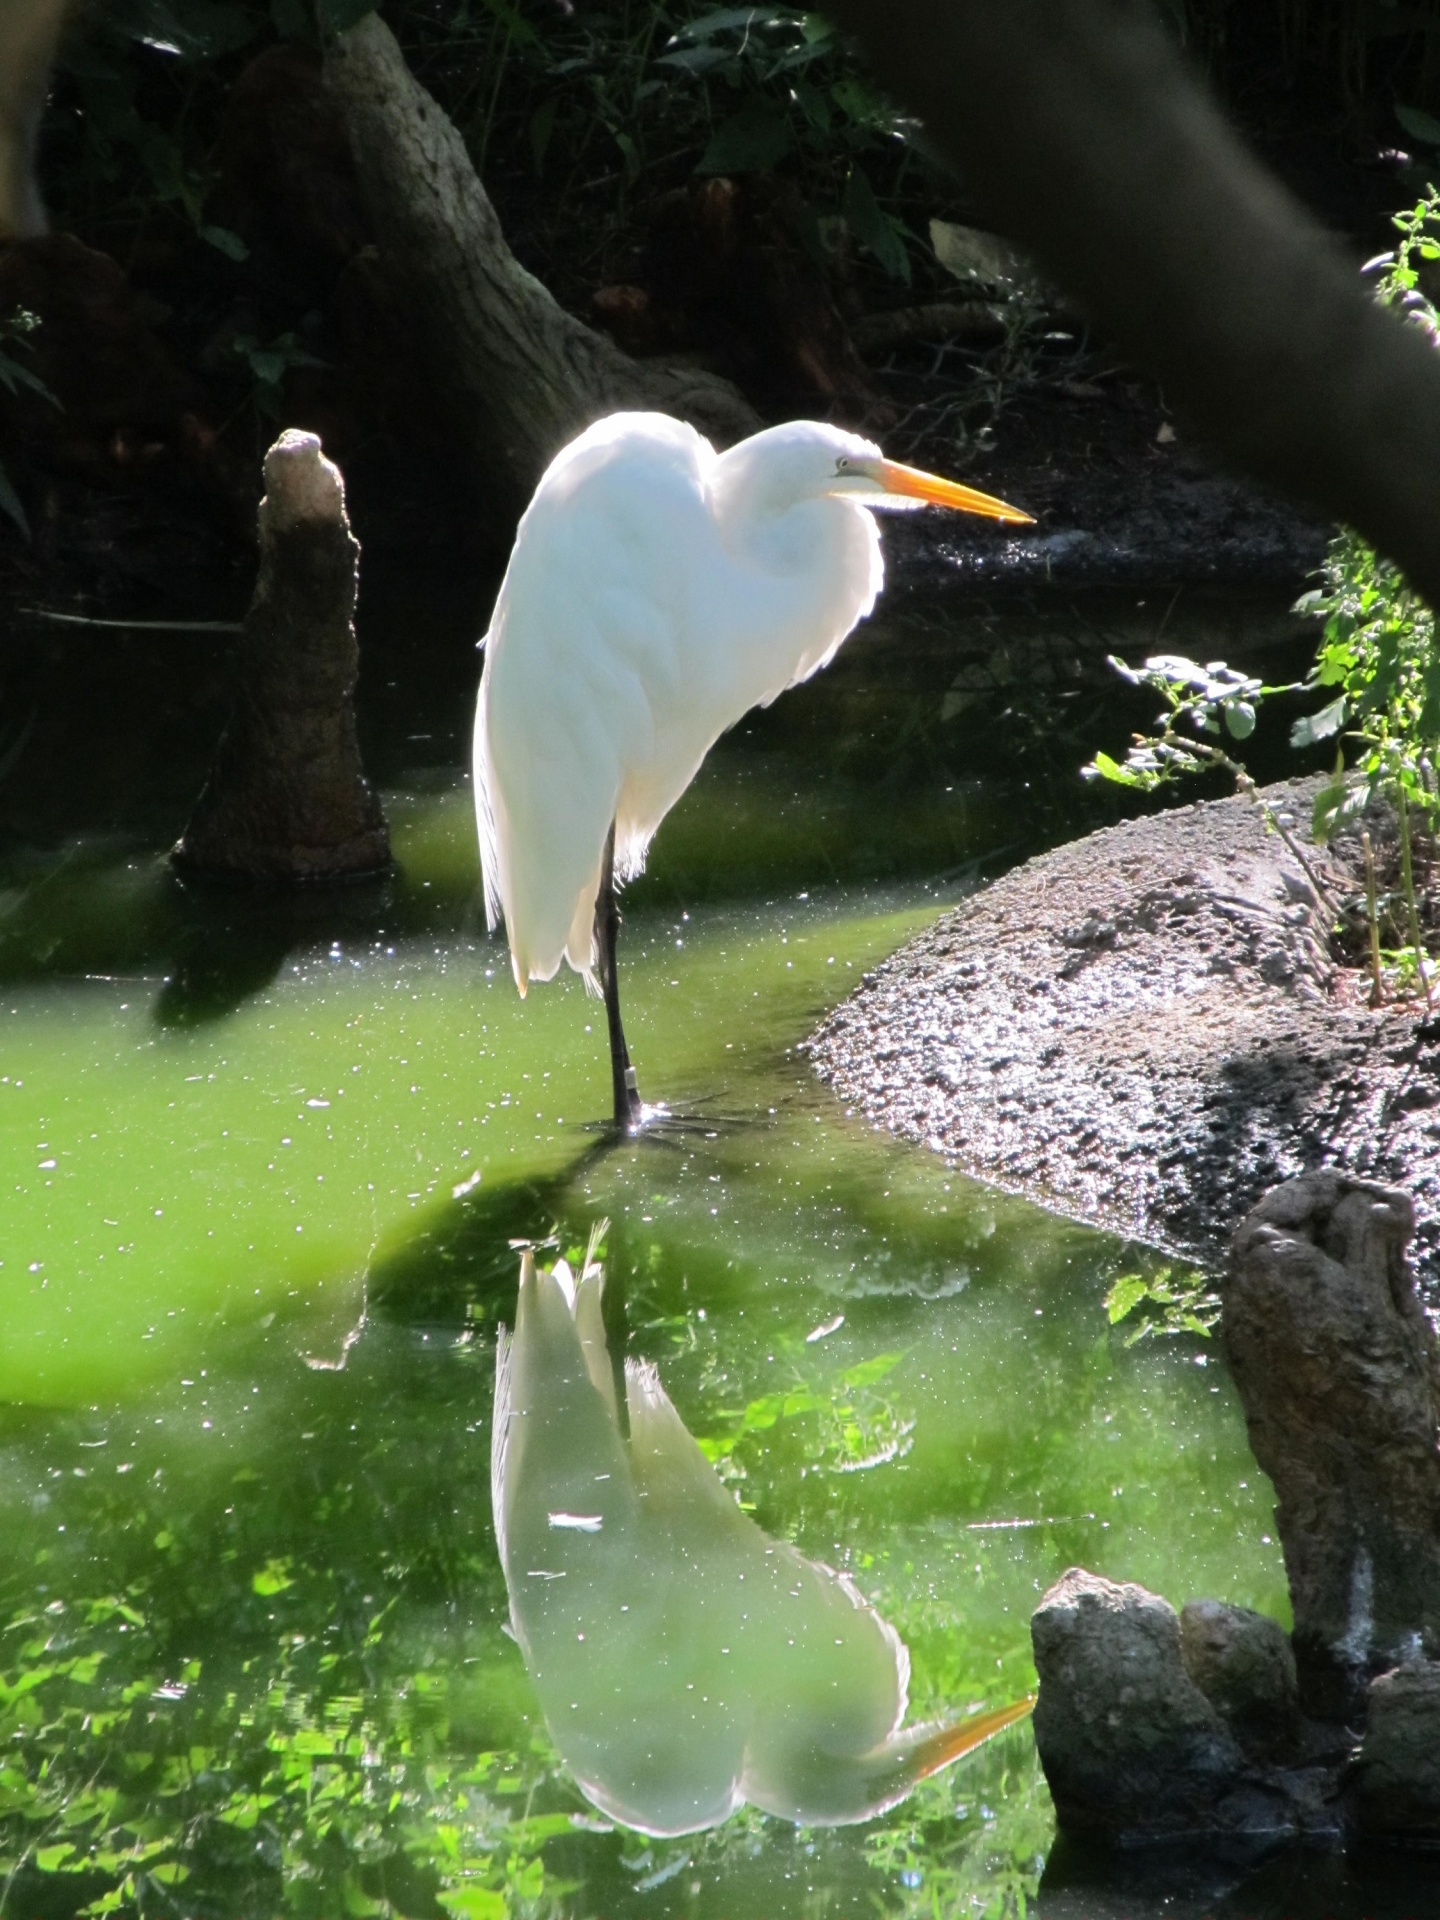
x: 1335, y: 805
x: 273, y: 1577
x: 10, y: 504
x: 631, y: 154
x: 873, y: 227
x: 864, y: 106
x: 1420, y: 125
x: 1323, y: 725
x: 226, y: 242
x: 193, y: 30
x: 1239, y: 718
x: 474, y: 1903
x: 1102, y: 767
x: 751, y: 141
x: 869, y: 1371
x: 729, y: 20
x: 1125, y: 1295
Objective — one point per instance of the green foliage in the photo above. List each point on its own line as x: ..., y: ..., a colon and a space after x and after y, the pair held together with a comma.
x: 983, y: 1858
x: 847, y: 1427
x: 1376, y: 658
x: 123, y: 1777
x: 143, y: 72
x: 1215, y: 700
x: 269, y: 363
x: 1167, y: 1302
x: 1376, y: 667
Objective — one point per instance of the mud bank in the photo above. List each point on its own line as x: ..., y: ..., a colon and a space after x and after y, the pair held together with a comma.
x: 1145, y: 1030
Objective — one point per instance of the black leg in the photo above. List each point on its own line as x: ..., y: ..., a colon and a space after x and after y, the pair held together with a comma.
x: 607, y: 929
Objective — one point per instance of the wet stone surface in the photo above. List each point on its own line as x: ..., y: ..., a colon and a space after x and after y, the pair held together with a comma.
x: 1145, y: 1029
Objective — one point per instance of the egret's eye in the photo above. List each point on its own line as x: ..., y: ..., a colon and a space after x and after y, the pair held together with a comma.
x: 842, y: 464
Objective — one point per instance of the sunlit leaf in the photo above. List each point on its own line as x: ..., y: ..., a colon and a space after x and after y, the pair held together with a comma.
x: 1420, y: 125
x: 1324, y: 725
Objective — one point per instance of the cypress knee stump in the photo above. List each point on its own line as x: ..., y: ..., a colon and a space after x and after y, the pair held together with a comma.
x: 287, y: 800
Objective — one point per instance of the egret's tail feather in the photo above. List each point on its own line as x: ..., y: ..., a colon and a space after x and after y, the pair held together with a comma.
x: 485, y: 820
x: 500, y: 1438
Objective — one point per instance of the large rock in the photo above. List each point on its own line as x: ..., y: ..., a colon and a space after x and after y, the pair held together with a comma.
x: 1398, y: 1790
x: 1130, y: 1745
x: 1337, y: 1367
x: 1241, y: 1661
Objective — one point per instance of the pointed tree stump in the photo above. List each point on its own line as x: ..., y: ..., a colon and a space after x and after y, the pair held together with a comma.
x: 287, y: 799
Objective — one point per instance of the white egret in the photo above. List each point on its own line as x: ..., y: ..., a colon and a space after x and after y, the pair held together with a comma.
x: 686, y: 1661
x: 656, y: 592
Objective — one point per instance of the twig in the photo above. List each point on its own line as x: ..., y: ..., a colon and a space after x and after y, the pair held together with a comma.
x: 1377, y: 985
x: 1407, y: 876
x: 133, y: 626
x: 1272, y: 820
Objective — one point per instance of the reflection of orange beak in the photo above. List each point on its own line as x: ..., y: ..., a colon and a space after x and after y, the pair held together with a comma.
x: 949, y: 1743
x: 915, y: 485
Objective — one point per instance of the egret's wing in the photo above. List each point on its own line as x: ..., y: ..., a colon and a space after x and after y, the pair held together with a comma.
x: 585, y: 639
x: 590, y: 1325
x: 562, y: 1479
x: 681, y: 1488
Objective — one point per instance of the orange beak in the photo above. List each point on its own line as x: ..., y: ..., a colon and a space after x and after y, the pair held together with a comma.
x: 913, y: 484
x: 948, y: 1743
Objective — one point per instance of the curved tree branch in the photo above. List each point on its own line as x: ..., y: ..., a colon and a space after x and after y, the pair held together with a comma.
x: 526, y: 376
x: 1079, y: 128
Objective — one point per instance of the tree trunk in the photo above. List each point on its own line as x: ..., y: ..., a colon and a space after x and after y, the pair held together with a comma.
x: 29, y: 35
x: 1079, y: 128
x: 524, y: 375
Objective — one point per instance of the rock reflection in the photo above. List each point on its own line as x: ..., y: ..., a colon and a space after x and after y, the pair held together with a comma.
x: 686, y: 1662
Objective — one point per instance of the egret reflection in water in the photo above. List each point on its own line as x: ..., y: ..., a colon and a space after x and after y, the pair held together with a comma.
x: 685, y: 1661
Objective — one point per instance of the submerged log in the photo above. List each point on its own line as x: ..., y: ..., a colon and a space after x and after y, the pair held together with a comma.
x: 287, y: 799
x: 523, y: 376
x: 1337, y: 1367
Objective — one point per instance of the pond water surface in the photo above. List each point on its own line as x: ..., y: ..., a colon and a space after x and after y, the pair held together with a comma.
x: 266, y: 1169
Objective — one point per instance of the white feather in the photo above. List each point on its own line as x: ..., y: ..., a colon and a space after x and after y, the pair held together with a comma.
x: 656, y: 592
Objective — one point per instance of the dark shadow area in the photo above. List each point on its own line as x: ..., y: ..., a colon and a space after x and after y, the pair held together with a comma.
x: 229, y: 942
x: 1236, y: 1880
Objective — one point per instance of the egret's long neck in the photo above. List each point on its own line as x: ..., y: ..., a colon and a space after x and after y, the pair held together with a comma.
x: 819, y: 557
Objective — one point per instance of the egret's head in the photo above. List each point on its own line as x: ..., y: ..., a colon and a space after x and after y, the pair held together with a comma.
x: 805, y: 460
x: 866, y: 476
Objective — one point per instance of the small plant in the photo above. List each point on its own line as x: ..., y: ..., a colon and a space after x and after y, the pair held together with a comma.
x: 1166, y: 1302
x: 1376, y: 664
x: 15, y: 330
x: 1212, y: 701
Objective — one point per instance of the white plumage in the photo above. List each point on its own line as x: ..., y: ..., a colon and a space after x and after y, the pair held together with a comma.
x: 686, y: 1661
x: 657, y: 591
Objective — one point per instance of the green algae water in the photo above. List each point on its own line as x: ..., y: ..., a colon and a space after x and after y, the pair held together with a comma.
x: 265, y: 1170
